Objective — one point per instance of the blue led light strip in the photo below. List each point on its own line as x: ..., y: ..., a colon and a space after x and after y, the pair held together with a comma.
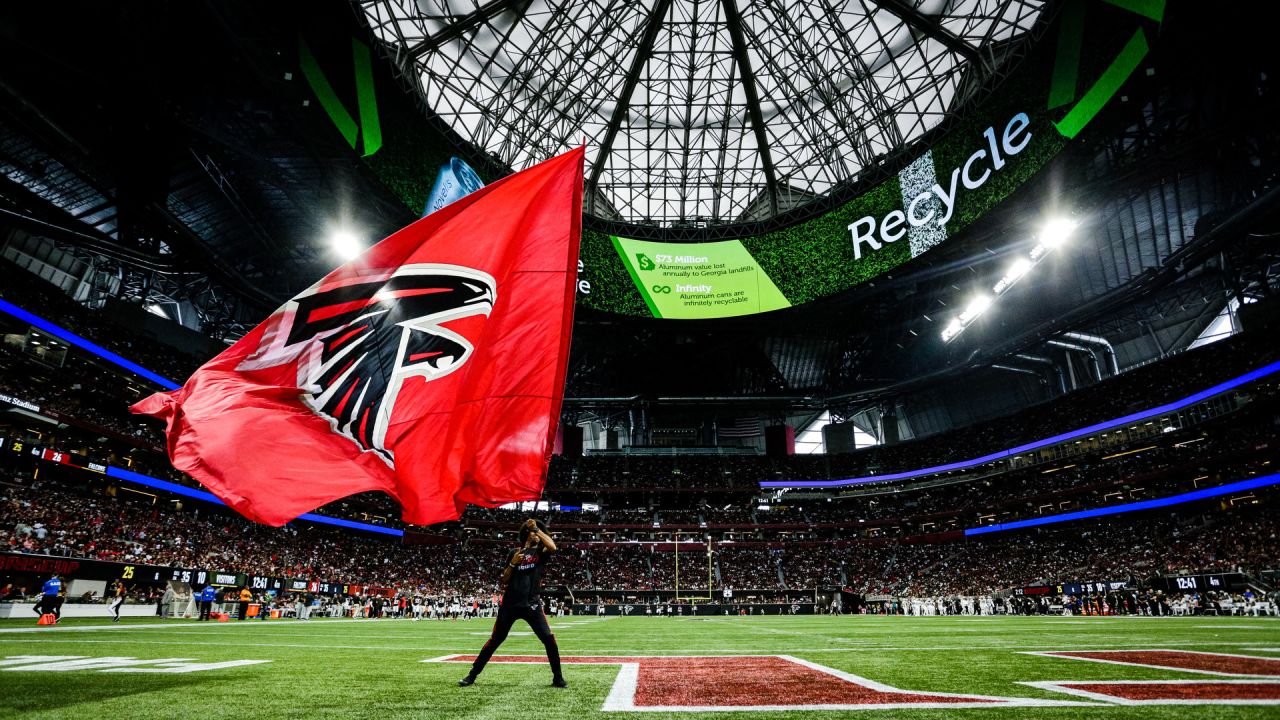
x: 1241, y: 486
x: 165, y: 485
x: 147, y: 480
x: 73, y: 339
x: 1248, y: 377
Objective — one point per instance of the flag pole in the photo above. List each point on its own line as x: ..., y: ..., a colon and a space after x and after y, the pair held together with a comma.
x: 677, y: 566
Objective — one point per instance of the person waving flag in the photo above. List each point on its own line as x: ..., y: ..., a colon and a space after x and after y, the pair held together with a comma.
x: 430, y: 368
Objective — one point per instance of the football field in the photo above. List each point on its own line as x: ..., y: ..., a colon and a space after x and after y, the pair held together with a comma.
x: 722, y: 667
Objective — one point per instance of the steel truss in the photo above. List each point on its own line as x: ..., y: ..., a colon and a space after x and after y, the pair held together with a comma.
x: 706, y: 119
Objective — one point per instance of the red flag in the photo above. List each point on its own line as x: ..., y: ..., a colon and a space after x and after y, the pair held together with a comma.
x: 431, y: 368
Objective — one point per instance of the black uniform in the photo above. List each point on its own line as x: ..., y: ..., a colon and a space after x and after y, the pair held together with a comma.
x: 118, y: 601
x: 520, y: 601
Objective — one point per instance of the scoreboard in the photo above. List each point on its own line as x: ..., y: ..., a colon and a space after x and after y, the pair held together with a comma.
x: 1199, y: 583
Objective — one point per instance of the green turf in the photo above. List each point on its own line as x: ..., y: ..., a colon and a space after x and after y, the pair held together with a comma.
x: 371, y: 669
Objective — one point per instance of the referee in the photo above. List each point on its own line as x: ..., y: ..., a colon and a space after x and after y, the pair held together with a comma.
x: 520, y: 601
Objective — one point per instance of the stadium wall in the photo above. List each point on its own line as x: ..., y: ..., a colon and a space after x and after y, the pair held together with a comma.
x: 24, y: 611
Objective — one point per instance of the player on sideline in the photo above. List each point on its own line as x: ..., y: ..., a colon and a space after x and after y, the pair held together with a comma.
x: 118, y: 600
x: 520, y: 601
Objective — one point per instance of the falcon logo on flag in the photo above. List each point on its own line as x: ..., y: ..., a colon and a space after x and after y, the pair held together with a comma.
x: 430, y: 368
x: 356, y: 342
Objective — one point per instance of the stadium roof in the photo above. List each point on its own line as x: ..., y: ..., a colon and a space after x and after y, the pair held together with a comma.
x: 700, y: 112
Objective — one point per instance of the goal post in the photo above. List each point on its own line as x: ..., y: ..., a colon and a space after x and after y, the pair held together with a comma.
x: 694, y: 566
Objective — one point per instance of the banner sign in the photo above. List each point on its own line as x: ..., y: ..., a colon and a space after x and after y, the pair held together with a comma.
x: 189, y: 576
x: 264, y: 583
x: 454, y: 182
x: 81, y: 568
x: 19, y: 402
x: 1079, y: 588
x: 84, y: 569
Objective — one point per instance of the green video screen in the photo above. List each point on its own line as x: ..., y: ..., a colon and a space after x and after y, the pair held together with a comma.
x: 703, y: 280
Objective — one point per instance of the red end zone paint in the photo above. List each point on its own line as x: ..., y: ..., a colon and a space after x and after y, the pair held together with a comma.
x: 1216, y: 663
x: 1191, y: 692
x: 1260, y: 691
x: 760, y: 681
x: 757, y: 682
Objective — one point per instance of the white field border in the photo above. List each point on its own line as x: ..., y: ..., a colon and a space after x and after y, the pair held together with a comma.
x: 1060, y: 686
x: 1059, y: 654
x: 621, y: 697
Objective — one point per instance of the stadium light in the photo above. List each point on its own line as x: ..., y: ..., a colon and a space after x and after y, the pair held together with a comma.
x: 1052, y: 235
x: 1056, y: 231
x: 976, y: 307
x: 346, y: 244
x: 1020, y: 267
x: 951, y: 330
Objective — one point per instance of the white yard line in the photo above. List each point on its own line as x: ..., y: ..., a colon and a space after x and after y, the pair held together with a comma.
x: 182, y: 624
x: 1065, y: 686
x: 1073, y: 655
x: 735, y: 651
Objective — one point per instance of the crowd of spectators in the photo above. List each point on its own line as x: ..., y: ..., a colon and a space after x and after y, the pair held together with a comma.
x: 1244, y: 539
x: 78, y: 392
x: 868, y: 542
x: 619, y: 567
x: 45, y: 518
x: 730, y: 515
x: 748, y: 567
x: 629, y: 516
x: 1220, y: 450
x: 682, y: 516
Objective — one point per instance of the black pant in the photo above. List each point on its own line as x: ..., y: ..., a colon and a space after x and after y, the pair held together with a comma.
x: 205, y: 607
x: 244, y: 609
x: 507, y: 617
x: 50, y: 605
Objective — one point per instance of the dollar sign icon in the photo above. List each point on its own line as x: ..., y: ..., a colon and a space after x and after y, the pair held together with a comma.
x: 644, y: 261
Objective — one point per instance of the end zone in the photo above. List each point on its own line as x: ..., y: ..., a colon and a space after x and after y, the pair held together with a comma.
x: 1254, y: 680
x: 756, y: 683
